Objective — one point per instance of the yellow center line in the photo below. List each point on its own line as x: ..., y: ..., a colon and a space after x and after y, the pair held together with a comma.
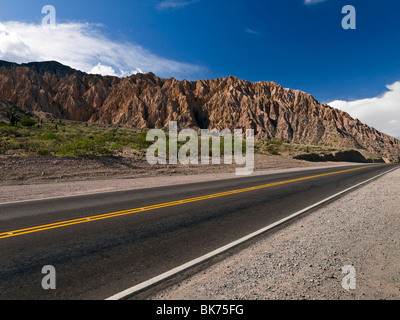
x: 60, y: 224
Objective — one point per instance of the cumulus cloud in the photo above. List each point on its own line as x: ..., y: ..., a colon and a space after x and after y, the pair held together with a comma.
x: 83, y: 46
x: 382, y: 113
x: 103, y: 70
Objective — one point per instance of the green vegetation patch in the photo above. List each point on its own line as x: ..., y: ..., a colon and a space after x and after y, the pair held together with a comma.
x: 27, y: 122
x: 58, y: 138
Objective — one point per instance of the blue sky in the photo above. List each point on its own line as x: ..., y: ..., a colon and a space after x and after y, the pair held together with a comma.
x: 299, y: 44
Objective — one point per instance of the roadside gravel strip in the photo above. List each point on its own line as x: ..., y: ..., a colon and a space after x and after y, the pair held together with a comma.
x: 304, y: 258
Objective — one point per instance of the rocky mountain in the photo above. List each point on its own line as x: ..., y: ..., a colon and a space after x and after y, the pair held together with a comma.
x: 147, y: 101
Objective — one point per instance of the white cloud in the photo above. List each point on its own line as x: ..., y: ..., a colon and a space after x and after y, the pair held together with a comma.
x: 138, y: 70
x: 382, y: 113
x: 253, y: 32
x: 174, y: 4
x: 313, y: 1
x: 103, y: 70
x: 83, y: 46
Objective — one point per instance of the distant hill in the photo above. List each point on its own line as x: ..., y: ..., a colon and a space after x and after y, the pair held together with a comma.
x: 147, y: 101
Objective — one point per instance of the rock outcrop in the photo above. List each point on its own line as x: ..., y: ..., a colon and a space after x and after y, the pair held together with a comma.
x: 346, y: 156
x: 7, y: 108
x: 147, y: 101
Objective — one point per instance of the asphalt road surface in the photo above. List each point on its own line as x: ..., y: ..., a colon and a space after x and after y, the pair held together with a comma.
x: 102, y: 244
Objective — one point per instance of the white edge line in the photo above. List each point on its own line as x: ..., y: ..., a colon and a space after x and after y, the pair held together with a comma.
x: 153, y: 281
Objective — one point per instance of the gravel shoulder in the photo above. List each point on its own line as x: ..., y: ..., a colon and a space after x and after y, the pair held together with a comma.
x: 304, y: 259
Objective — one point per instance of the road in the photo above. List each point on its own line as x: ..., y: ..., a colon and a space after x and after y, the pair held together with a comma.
x: 101, y: 244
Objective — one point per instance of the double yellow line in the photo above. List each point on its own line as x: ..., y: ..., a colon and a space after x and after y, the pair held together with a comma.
x: 66, y: 223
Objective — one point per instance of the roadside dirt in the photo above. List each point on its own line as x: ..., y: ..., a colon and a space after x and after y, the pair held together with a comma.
x: 23, y: 178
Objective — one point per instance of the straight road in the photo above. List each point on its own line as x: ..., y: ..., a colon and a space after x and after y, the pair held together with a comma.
x: 102, y: 244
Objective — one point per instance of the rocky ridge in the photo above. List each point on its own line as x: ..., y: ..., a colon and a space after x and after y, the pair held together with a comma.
x: 147, y: 101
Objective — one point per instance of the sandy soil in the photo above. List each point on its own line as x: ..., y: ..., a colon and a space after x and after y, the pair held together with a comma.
x: 304, y: 260
x: 23, y: 178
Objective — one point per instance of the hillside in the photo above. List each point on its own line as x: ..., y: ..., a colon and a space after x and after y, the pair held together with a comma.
x: 147, y: 101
